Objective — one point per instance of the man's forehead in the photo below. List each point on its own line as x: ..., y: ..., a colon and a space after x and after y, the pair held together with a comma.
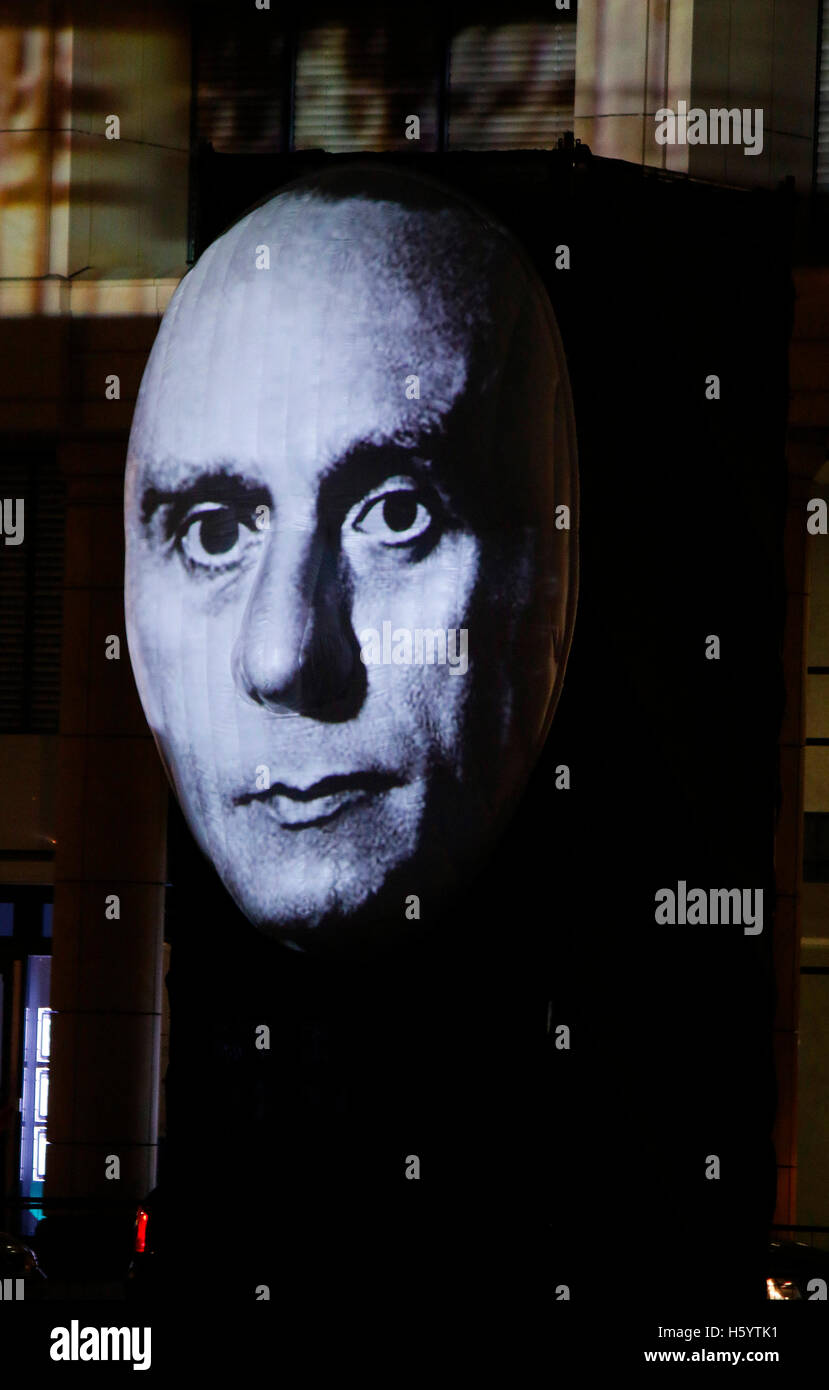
x: 394, y: 242
x: 298, y: 360
x: 371, y: 277
x: 171, y: 473
x: 289, y: 409
x: 304, y: 243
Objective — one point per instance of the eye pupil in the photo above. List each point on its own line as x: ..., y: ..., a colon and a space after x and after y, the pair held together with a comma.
x: 218, y: 532
x: 400, y: 511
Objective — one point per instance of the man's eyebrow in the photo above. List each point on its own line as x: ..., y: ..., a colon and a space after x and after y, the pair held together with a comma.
x: 369, y: 462
x: 364, y: 465
x: 220, y: 484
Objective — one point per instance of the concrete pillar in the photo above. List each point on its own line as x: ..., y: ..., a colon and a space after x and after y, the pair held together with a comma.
x: 788, y: 854
x: 802, y: 1136
x: 111, y: 844
x: 635, y: 56
x: 632, y: 57
x: 757, y: 54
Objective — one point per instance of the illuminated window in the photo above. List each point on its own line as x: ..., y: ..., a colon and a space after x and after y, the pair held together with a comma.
x: 39, y: 1154
x: 339, y: 84
x: 44, y: 1034
x: 239, y: 79
x: 42, y: 1094
x: 512, y: 86
x: 37, y: 1052
x: 356, y: 85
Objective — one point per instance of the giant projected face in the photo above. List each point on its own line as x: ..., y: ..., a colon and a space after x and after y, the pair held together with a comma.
x: 348, y: 601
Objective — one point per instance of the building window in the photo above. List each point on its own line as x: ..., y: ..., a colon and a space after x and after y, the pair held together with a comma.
x: 816, y: 847
x: 240, y: 54
x: 512, y: 86
x: 31, y: 598
x: 357, y: 86
x: 336, y: 85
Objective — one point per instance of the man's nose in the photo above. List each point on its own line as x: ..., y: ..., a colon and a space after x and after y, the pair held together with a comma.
x: 296, y: 650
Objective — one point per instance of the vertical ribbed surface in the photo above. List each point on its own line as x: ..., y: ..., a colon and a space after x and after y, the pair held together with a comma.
x: 822, y: 171
x: 31, y: 598
x: 512, y: 84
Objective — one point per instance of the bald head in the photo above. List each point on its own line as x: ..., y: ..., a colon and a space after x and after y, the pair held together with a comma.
x: 280, y: 311
x: 355, y: 414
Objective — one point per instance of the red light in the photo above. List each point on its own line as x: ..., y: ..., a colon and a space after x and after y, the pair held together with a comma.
x: 141, y: 1230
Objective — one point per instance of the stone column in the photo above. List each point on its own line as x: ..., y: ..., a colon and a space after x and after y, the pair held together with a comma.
x: 806, y: 453
x: 109, y: 866
x: 632, y: 57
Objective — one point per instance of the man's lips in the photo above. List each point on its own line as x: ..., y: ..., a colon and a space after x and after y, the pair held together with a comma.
x: 296, y: 807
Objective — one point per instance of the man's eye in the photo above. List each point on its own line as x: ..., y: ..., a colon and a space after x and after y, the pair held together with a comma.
x: 395, y: 518
x: 213, y: 537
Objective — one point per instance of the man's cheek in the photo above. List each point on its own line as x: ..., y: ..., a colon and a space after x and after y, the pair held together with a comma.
x: 435, y: 592
x: 436, y: 701
x: 147, y: 652
x: 185, y: 645
x: 170, y: 660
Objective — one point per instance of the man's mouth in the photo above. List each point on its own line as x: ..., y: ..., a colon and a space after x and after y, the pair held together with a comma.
x: 298, y: 807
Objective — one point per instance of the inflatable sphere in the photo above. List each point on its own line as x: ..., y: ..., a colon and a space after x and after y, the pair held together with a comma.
x: 350, y: 512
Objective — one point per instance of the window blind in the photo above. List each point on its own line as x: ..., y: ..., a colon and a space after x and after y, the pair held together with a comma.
x: 822, y: 170
x: 31, y: 599
x: 511, y: 82
x: 512, y: 86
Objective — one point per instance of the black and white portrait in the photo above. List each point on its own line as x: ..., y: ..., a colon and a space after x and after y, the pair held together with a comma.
x: 350, y: 547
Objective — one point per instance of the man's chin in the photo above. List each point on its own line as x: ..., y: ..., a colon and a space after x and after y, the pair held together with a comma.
x: 307, y: 919
x: 336, y: 922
